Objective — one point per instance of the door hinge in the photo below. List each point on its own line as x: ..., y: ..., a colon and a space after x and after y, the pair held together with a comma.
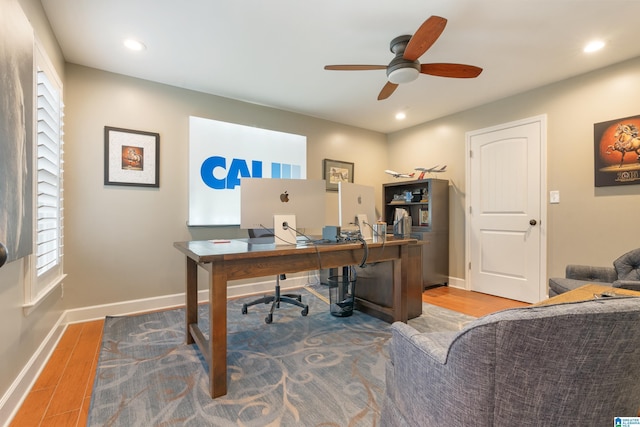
x: 471, y: 153
x: 469, y: 265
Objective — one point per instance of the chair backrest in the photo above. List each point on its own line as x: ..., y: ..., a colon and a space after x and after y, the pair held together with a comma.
x: 261, y: 236
x: 260, y: 232
x: 628, y: 265
x: 565, y: 364
x: 264, y: 235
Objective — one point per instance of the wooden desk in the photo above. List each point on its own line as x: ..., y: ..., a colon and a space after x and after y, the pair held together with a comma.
x: 239, y: 259
x: 586, y: 292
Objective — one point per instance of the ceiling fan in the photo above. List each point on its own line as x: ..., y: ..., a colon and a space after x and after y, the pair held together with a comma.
x: 405, y: 67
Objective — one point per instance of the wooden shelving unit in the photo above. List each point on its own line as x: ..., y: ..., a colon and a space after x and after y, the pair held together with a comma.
x: 427, y: 202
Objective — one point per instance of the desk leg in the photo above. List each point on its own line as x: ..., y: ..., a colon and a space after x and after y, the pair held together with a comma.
x: 218, y: 330
x: 400, y: 285
x: 404, y: 288
x: 191, y: 297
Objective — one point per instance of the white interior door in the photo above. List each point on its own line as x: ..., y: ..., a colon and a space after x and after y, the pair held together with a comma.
x: 506, y: 215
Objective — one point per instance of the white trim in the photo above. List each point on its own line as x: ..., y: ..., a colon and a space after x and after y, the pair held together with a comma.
x: 27, y: 308
x: 124, y: 308
x: 18, y: 390
x: 458, y: 283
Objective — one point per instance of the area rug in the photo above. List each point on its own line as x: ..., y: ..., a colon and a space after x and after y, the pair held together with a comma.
x: 317, y: 370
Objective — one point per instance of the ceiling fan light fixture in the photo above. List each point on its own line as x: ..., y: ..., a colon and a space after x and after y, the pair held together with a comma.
x: 403, y: 75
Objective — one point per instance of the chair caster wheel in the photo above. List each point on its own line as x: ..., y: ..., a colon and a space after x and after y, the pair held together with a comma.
x: 268, y: 319
x: 244, y: 309
x: 305, y: 311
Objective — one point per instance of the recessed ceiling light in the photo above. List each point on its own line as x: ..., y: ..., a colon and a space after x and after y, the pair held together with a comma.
x: 134, y: 45
x: 593, y: 46
x: 401, y: 116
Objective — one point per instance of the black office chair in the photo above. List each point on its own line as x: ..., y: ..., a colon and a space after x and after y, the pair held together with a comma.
x: 296, y: 299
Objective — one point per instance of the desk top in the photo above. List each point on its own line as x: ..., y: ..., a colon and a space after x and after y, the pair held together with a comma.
x: 213, y: 250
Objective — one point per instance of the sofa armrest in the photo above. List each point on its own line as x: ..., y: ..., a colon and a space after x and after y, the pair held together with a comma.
x: 633, y: 285
x: 441, y: 378
x: 433, y: 345
x: 590, y: 273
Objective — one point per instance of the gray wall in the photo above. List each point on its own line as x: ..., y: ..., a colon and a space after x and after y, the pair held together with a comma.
x: 119, y: 240
x: 590, y: 225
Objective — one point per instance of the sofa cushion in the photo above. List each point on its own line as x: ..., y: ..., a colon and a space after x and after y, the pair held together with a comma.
x: 560, y: 285
x: 580, y: 275
x: 628, y: 266
x: 633, y: 285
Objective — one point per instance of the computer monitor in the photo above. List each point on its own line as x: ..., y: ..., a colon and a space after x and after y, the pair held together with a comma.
x: 357, y: 203
x: 298, y: 202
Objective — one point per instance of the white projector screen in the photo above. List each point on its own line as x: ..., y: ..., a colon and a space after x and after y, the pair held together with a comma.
x: 221, y: 153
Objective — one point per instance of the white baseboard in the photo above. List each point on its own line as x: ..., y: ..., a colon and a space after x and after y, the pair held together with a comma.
x: 19, y: 389
x: 17, y: 392
x: 125, y: 308
x: 458, y: 283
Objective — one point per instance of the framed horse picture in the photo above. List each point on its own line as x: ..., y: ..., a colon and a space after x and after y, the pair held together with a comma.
x: 131, y: 157
x: 617, y: 152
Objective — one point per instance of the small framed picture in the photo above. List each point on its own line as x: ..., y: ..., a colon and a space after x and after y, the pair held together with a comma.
x: 131, y: 157
x: 335, y: 171
x: 424, y: 217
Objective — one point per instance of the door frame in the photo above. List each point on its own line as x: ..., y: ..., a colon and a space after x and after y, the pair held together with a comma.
x: 542, y: 120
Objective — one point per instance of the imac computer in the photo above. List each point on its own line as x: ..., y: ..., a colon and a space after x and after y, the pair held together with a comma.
x: 284, y: 205
x: 357, y: 207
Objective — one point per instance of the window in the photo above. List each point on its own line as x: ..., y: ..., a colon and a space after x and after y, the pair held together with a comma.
x: 46, y: 267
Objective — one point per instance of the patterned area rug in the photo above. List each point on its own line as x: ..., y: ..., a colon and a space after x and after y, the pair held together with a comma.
x: 317, y: 370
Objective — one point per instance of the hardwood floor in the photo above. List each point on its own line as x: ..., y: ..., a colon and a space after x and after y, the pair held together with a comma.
x: 62, y: 393
x: 471, y: 303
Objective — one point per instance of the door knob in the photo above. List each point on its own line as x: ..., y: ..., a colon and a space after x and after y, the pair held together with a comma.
x: 533, y: 222
x: 3, y: 254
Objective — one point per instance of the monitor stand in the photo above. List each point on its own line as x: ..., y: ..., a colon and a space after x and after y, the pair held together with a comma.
x: 284, y: 235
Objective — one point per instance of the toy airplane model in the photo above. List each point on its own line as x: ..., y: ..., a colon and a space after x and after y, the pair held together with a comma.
x: 434, y: 169
x: 399, y: 174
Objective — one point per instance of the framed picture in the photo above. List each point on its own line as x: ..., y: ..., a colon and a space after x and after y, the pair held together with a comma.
x: 335, y: 171
x: 131, y: 157
x: 424, y: 217
x: 616, y: 148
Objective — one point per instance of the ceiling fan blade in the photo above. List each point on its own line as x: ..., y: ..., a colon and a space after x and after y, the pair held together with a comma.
x: 460, y: 71
x: 426, y: 36
x: 355, y: 67
x: 387, y: 90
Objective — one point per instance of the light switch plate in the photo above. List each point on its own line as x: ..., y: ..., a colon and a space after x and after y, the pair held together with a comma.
x: 554, y: 196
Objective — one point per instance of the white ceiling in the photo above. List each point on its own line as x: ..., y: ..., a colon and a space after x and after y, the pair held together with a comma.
x: 272, y: 52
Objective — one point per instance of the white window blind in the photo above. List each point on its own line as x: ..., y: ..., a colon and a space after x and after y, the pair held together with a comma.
x: 49, y: 185
x: 45, y: 265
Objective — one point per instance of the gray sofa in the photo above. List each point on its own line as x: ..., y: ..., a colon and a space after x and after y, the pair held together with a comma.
x: 557, y: 365
x: 625, y: 273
